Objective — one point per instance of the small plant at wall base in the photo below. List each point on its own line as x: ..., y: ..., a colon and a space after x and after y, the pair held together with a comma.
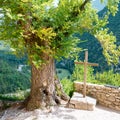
x: 67, y: 86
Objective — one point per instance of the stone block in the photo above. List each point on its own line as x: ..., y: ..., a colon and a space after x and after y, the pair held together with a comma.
x: 117, y: 101
x: 90, y: 107
x: 71, y: 106
x: 117, y: 108
x: 107, y: 102
x: 79, y: 102
x: 115, y: 91
x: 111, y: 98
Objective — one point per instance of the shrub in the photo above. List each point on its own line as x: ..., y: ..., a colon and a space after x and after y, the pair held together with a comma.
x: 67, y: 86
x: 109, y: 77
x: 78, y: 74
x: 19, y: 95
x: 59, y: 71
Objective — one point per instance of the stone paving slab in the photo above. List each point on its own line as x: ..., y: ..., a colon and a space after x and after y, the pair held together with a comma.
x: 61, y: 113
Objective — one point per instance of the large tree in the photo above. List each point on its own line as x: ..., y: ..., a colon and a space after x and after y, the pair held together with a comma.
x: 44, y: 29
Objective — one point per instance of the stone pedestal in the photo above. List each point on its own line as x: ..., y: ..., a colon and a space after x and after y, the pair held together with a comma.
x: 78, y: 102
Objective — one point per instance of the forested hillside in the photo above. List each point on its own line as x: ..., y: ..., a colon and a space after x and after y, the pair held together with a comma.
x: 11, y: 77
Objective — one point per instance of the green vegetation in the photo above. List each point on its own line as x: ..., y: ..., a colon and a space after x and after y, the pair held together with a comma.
x: 63, y: 73
x: 19, y: 95
x: 78, y: 73
x: 67, y: 86
x: 108, y: 77
x: 12, y: 80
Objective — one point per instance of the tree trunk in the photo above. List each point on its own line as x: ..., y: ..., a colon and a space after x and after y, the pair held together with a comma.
x: 43, y: 92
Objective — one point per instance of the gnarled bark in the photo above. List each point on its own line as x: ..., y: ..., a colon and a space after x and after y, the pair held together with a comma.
x: 44, y: 87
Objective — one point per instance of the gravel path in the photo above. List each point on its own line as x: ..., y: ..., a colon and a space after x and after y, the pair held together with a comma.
x: 61, y: 113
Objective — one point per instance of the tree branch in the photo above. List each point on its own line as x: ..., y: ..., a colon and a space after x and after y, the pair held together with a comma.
x: 82, y: 7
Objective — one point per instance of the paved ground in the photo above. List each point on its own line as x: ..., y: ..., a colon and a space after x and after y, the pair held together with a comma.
x: 61, y: 113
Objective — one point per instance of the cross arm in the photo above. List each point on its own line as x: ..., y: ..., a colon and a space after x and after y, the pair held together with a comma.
x: 90, y: 64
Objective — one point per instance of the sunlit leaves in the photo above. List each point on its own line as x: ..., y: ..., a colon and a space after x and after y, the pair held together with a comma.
x: 25, y: 0
x: 110, y: 49
x: 46, y: 34
x: 113, y: 6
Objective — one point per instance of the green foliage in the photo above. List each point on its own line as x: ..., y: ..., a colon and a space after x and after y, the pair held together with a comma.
x: 19, y: 95
x: 109, y: 48
x: 10, y: 98
x: 12, y: 80
x: 63, y: 73
x: 108, y: 77
x: 67, y: 86
x: 78, y: 73
x: 11, y: 59
x: 113, y: 9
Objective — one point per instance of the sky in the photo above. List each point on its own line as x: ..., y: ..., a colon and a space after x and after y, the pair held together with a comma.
x: 98, y: 5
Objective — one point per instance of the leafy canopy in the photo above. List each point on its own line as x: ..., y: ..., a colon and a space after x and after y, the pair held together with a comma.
x: 39, y: 27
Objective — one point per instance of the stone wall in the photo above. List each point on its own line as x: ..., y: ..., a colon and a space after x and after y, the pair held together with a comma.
x: 109, y: 97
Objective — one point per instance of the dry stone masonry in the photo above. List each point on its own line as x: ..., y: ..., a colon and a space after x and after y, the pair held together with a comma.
x: 109, y: 97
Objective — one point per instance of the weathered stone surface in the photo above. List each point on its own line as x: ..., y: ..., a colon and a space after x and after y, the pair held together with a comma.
x: 78, y: 102
x: 71, y: 106
x: 117, y: 108
x: 107, y: 95
x: 115, y: 91
x: 111, y: 98
x: 90, y: 107
x: 116, y: 104
x: 108, y: 89
x: 103, y: 96
x: 107, y: 102
x: 78, y: 86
